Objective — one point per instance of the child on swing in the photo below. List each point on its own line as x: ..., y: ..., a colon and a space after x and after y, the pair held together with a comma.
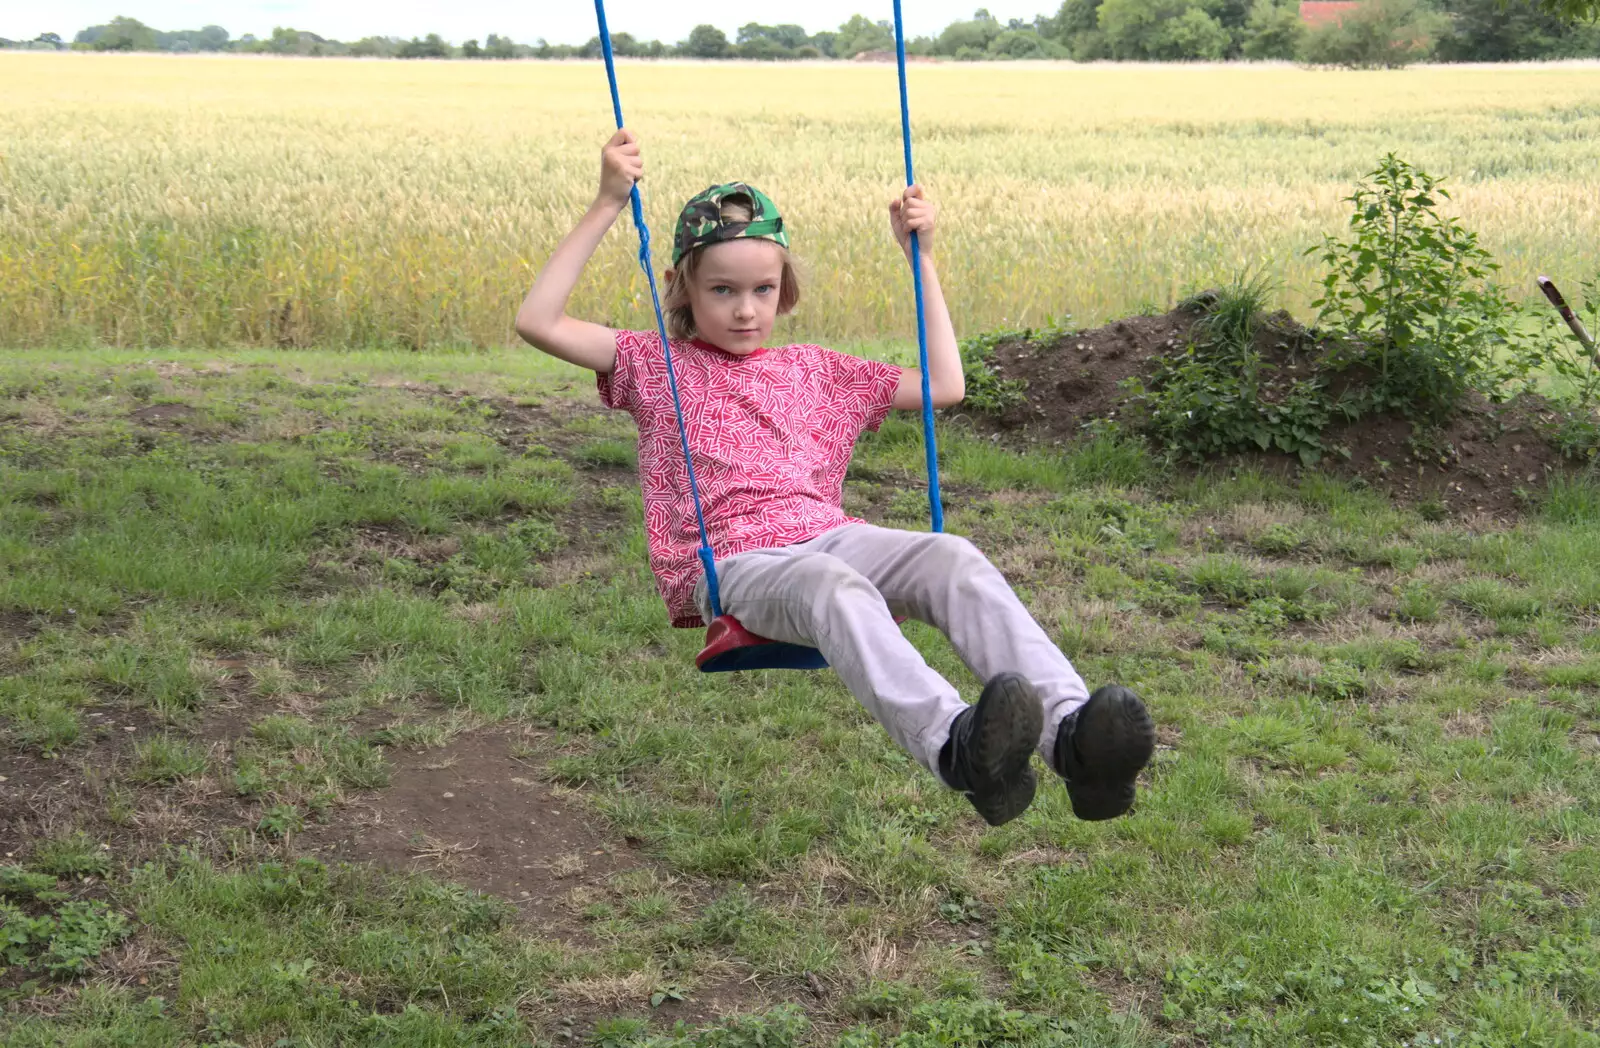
x: 772, y: 430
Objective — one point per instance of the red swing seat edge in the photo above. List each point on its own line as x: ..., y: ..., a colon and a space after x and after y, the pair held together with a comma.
x: 729, y: 646
x: 727, y: 637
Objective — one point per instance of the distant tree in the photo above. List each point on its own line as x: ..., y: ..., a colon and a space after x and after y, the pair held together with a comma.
x: 1194, y: 34
x: 1023, y: 43
x: 1273, y: 29
x: 623, y: 45
x: 1380, y: 34
x: 788, y: 37
x: 764, y: 49
x: 211, y: 38
x: 1493, y: 31
x: 1076, y: 26
x: 120, y: 34
x: 52, y: 40
x: 1071, y: 18
x: 470, y: 49
x: 706, y: 41
x: 975, y: 33
x: 824, y: 41
x: 375, y: 47
x: 861, y: 34
x: 1232, y: 16
x: 1161, y: 30
x: 283, y: 41
x: 626, y: 45
x: 497, y: 46
x: 430, y: 46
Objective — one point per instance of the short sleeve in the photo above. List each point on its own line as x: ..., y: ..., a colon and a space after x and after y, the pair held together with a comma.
x: 620, y: 388
x: 866, y: 388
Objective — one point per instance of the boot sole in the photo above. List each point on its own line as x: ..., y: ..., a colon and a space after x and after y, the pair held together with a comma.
x: 1003, y: 749
x: 1123, y: 740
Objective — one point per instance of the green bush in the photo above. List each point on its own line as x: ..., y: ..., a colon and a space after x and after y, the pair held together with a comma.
x: 1216, y: 397
x: 1410, y: 295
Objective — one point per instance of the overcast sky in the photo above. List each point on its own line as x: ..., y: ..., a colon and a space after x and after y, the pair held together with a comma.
x: 559, y: 21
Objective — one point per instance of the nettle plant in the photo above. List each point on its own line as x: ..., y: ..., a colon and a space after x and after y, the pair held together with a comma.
x: 1411, y: 293
x: 1217, y: 395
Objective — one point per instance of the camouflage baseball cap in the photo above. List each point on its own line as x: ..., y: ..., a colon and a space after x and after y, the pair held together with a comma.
x: 701, y: 222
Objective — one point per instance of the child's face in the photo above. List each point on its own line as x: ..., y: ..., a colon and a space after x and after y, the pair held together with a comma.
x: 734, y: 293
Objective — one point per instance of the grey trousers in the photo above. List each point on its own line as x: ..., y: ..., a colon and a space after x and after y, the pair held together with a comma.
x: 840, y: 593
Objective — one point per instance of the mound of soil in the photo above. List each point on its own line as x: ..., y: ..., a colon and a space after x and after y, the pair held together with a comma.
x: 1483, y: 461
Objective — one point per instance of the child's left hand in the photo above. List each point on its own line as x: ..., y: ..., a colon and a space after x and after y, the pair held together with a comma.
x: 913, y: 212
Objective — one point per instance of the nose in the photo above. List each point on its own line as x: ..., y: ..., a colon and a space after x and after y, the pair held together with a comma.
x: 745, y: 308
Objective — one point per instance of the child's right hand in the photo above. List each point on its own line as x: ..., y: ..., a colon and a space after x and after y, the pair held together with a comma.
x: 620, y: 167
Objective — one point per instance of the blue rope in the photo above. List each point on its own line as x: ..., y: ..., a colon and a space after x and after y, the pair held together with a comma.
x: 935, y: 508
x: 707, y: 558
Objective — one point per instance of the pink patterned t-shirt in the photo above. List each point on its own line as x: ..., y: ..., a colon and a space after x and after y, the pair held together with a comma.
x: 771, y: 434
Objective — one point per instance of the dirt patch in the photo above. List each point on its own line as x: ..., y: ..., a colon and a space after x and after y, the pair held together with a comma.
x: 1483, y: 461
x: 157, y: 413
x: 1075, y: 379
x: 15, y: 626
x: 41, y: 798
x: 475, y: 811
x: 1487, y: 460
x: 392, y: 540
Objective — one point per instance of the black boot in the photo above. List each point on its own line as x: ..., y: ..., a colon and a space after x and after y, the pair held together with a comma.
x: 1100, y: 750
x: 991, y: 744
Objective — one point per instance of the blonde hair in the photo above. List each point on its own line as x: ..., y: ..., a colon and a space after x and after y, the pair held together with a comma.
x: 675, y: 300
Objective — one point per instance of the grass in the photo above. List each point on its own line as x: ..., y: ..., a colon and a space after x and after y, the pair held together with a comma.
x: 1371, y: 821
x: 380, y: 204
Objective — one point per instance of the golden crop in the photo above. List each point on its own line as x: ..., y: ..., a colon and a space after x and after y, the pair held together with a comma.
x: 161, y: 200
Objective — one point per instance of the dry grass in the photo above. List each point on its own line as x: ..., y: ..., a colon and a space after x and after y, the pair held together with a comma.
x: 159, y: 200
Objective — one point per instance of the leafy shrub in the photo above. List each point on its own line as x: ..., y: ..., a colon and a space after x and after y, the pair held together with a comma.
x: 1410, y: 294
x: 1214, y: 397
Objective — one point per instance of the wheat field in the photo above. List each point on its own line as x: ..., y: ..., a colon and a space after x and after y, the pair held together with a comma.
x: 186, y: 201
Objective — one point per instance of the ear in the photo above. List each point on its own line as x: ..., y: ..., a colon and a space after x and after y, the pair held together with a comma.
x: 668, y: 274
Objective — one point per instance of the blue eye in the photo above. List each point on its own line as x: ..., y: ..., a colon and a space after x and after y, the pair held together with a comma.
x: 721, y: 289
x: 764, y: 289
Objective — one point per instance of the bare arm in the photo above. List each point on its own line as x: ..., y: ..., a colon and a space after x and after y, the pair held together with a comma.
x: 946, y: 382
x: 542, y: 321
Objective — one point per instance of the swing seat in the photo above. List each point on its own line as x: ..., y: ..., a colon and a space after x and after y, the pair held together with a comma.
x: 730, y: 647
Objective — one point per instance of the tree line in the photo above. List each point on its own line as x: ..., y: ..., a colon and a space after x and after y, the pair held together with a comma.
x: 1377, y: 33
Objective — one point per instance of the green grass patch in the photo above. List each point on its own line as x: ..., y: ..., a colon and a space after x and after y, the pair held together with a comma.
x: 1370, y: 820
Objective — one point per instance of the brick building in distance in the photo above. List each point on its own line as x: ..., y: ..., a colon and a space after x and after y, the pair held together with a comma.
x: 1317, y: 13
